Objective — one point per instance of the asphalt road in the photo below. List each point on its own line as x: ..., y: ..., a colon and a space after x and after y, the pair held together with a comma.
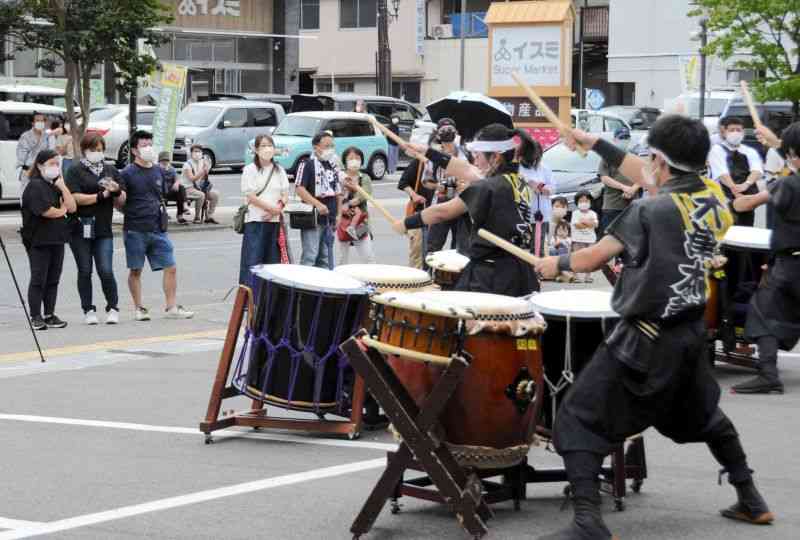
x: 101, y: 442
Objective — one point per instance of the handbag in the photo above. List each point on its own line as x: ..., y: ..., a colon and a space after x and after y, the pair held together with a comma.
x: 302, y: 216
x: 241, y: 212
x: 411, y: 206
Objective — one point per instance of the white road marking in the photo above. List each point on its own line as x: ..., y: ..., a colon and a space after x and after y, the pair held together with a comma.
x: 6, y: 523
x: 191, y: 498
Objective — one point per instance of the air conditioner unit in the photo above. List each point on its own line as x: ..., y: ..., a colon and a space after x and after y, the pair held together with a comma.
x: 441, y: 31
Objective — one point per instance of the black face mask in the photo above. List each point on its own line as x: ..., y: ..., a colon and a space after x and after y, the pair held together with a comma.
x: 447, y: 135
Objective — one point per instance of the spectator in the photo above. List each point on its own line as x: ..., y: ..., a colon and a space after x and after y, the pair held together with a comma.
x: 619, y: 189
x: 266, y: 190
x: 198, y: 187
x: 360, y: 106
x: 354, y: 207
x: 174, y: 190
x: 94, y: 185
x: 144, y: 228
x: 540, y: 180
x: 562, y: 245
x: 46, y: 202
x: 62, y: 142
x: 584, y: 224
x: 321, y: 187
x: 560, y: 209
x: 420, y: 196
x: 29, y: 145
x: 394, y: 150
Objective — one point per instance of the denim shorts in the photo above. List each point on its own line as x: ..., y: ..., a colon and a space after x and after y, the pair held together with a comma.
x: 156, y: 246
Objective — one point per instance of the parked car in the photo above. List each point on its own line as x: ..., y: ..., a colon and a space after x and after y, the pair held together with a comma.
x: 30, y: 93
x: 573, y: 173
x: 639, y: 118
x: 293, y: 139
x: 776, y: 115
x: 112, y: 123
x: 716, y: 102
x: 283, y: 100
x: 15, y: 119
x: 223, y: 128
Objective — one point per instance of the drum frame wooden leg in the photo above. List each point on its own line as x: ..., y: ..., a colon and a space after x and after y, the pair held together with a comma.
x: 257, y: 416
x: 462, y: 492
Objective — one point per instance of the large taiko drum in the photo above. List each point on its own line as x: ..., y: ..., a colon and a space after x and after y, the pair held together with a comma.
x: 747, y: 249
x: 577, y: 323
x: 446, y: 267
x: 291, y: 354
x: 491, y: 419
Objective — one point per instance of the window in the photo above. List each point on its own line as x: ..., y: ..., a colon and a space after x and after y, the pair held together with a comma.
x: 383, y: 109
x: 197, y: 116
x: 340, y: 128
x: 358, y: 13
x: 256, y: 80
x: 362, y: 129
x: 235, y: 118
x: 25, y: 63
x: 324, y: 86
x: 347, y: 86
x: 403, y: 112
x: 144, y: 118
x: 253, y: 50
x: 407, y: 90
x: 613, y: 125
x: 309, y: 14
x: 263, y: 117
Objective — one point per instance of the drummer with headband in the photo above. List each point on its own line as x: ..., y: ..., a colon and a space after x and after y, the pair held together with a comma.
x: 652, y: 369
x: 497, y: 199
x: 773, y: 319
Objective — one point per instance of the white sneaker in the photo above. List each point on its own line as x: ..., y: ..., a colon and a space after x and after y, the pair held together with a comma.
x: 112, y: 317
x: 90, y: 317
x: 142, y: 314
x: 179, y: 312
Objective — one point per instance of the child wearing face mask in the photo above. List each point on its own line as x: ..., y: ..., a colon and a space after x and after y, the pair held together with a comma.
x: 584, y: 227
x: 560, y: 209
x: 562, y: 245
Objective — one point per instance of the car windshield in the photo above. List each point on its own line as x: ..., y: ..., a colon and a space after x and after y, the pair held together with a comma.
x: 198, y: 116
x: 625, y: 114
x: 559, y: 158
x: 103, y: 114
x: 298, y: 126
x: 713, y: 106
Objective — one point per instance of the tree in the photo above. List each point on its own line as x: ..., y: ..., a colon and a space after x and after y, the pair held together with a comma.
x: 768, y: 33
x: 83, y: 35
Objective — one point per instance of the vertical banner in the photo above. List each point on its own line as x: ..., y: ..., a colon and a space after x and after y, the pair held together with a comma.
x: 421, y: 30
x: 173, y: 83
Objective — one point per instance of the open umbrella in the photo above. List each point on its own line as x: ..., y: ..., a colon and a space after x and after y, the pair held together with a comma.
x: 471, y: 111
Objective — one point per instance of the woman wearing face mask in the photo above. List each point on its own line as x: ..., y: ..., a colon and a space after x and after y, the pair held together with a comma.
x: 540, y: 179
x: 95, y: 187
x: 497, y: 199
x: 355, y: 208
x: 45, y: 205
x: 194, y: 178
x: 266, y: 190
x: 394, y: 150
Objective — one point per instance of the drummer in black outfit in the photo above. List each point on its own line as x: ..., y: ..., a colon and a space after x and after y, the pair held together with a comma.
x: 497, y: 199
x: 652, y: 369
x: 773, y: 319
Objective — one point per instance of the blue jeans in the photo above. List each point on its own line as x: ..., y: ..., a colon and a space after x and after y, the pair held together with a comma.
x: 259, y: 246
x: 317, y: 247
x: 101, y: 252
x: 394, y: 155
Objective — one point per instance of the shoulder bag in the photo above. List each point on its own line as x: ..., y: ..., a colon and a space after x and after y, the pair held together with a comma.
x: 241, y: 212
x: 411, y: 206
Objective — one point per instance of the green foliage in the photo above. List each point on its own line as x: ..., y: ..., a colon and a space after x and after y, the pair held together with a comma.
x: 767, y: 29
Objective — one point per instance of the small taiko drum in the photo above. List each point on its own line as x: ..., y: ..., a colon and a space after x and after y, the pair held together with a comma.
x: 446, y: 267
x: 490, y: 421
x: 387, y: 277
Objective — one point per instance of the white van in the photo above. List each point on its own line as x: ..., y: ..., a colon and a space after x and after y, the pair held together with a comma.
x: 15, y: 119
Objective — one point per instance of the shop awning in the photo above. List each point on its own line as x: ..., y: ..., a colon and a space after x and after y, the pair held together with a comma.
x: 541, y: 11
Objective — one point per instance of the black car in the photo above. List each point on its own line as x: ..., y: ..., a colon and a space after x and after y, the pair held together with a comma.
x: 776, y: 115
x: 639, y: 118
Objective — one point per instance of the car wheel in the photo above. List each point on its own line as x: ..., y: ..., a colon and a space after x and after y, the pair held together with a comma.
x: 377, y: 167
x: 209, y: 158
x: 122, y: 157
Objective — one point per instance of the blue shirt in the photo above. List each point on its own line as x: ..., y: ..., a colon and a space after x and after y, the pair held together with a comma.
x: 145, y: 188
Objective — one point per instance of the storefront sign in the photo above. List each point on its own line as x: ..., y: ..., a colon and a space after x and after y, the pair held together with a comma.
x: 223, y: 8
x: 532, y: 51
x: 522, y: 110
x: 240, y: 15
x: 173, y: 83
x: 420, y: 28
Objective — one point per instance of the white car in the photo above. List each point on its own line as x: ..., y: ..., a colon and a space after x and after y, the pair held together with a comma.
x: 716, y: 103
x: 112, y: 123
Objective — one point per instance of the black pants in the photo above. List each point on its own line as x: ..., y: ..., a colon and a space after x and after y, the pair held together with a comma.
x: 179, y: 197
x: 458, y: 229
x: 46, y: 264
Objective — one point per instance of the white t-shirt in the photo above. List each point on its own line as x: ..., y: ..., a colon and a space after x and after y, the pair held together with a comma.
x: 586, y: 236
x: 774, y: 164
x: 190, y: 165
x: 718, y: 159
x: 254, y: 181
x: 539, y: 201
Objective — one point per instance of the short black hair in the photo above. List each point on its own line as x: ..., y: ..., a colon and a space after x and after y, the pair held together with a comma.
x: 790, y: 140
x: 731, y: 121
x: 684, y: 140
x: 560, y: 199
x: 140, y: 135
x: 319, y: 136
x: 352, y: 150
x: 583, y: 193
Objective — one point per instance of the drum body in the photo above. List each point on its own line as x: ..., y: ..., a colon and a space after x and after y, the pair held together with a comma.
x: 490, y: 420
x: 446, y: 267
x: 291, y: 357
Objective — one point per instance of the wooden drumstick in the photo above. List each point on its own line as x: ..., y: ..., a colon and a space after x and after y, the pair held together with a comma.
x: 751, y: 106
x: 377, y: 205
x: 505, y: 245
x: 546, y: 110
x: 397, y: 139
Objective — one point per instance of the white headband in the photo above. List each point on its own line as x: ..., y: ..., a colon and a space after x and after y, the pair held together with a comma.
x: 674, y: 165
x: 492, y: 146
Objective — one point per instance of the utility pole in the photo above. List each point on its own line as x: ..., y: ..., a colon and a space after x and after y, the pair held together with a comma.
x: 384, y: 53
x: 463, y: 31
x: 132, y: 106
x: 581, y: 91
x: 703, y: 43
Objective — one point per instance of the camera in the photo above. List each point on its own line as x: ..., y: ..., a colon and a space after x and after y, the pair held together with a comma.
x: 447, y: 134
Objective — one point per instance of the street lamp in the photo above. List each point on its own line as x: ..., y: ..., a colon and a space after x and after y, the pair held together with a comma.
x: 701, y: 35
x: 384, y: 54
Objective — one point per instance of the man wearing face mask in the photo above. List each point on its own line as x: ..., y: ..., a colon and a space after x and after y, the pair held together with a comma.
x: 619, y: 191
x: 29, y: 145
x: 320, y: 185
x: 652, y: 369
x: 194, y: 179
x: 736, y: 166
x: 394, y: 150
x: 144, y: 229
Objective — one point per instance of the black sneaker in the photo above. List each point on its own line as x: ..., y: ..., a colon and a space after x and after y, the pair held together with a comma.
x: 759, y: 385
x: 38, y: 323
x: 54, y: 322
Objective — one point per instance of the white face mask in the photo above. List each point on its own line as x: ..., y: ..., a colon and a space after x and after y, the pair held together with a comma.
x: 327, y: 154
x: 584, y: 206
x: 735, y: 138
x: 560, y: 213
x: 39, y: 126
x: 197, y: 156
x: 94, y: 157
x: 395, y: 120
x: 266, y: 153
x: 52, y: 172
x: 353, y: 164
x: 147, y: 154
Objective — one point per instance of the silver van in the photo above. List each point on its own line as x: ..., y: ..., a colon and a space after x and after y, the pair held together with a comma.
x: 223, y: 129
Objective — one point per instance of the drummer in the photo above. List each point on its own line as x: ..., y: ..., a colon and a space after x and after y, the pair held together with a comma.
x: 773, y: 319
x: 652, y: 369
x: 497, y: 199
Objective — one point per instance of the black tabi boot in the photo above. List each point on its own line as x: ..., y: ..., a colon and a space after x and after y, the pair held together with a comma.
x: 767, y: 381
x: 750, y: 506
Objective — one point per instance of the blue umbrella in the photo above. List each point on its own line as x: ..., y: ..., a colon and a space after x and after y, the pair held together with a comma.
x: 471, y: 111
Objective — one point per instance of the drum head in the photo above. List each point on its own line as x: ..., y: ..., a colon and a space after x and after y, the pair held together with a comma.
x: 387, y: 277
x: 449, y: 260
x: 309, y: 278
x: 750, y: 238
x: 579, y: 304
x: 461, y: 305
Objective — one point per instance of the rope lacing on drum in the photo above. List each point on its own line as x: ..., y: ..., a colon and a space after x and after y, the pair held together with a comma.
x: 567, y: 376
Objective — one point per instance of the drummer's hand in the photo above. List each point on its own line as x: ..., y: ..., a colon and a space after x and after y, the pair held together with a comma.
x: 578, y: 137
x: 417, y: 198
x: 548, y: 267
x: 399, y: 227
x: 767, y: 136
x: 739, y: 203
x: 415, y: 148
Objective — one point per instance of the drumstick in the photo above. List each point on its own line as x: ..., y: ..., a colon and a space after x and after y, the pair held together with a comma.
x: 397, y: 139
x: 509, y: 247
x: 377, y: 205
x: 546, y: 111
x: 748, y: 99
